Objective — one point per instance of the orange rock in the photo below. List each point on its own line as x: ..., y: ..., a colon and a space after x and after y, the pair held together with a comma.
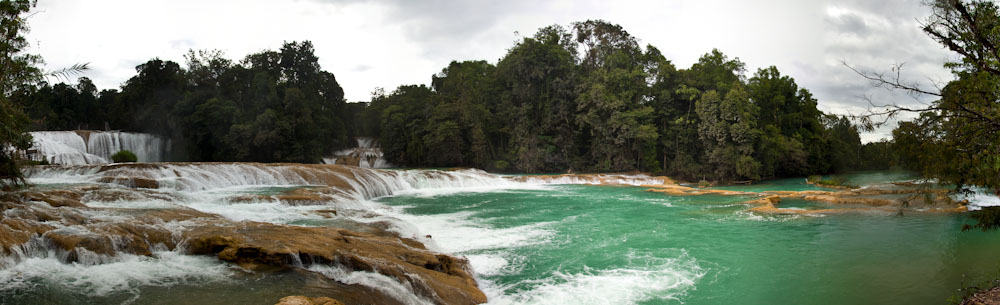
x: 132, y: 182
x: 301, y: 300
x: 56, y: 198
x: 442, y: 278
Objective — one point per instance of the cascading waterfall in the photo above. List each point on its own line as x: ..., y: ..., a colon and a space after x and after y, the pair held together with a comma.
x: 364, y: 142
x: 367, y: 155
x: 147, y: 147
x: 363, y: 183
x: 63, y: 147
x: 97, y: 147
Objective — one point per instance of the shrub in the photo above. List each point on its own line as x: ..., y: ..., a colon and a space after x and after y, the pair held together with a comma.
x: 501, y: 165
x: 835, y: 181
x: 704, y: 183
x: 124, y: 156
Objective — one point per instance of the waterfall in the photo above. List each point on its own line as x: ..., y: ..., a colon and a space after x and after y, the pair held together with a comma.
x: 96, y: 147
x: 147, y: 147
x: 63, y: 147
x: 367, y: 154
x: 364, y: 142
x: 354, y: 182
x: 357, y: 183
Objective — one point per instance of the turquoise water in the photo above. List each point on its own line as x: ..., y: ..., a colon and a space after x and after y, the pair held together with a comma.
x: 871, y: 178
x: 787, y: 184
x: 623, y: 245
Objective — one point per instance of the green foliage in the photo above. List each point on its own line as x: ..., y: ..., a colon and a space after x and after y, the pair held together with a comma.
x: 879, y: 156
x: 124, y: 156
x: 18, y: 72
x: 587, y: 97
x: 728, y: 132
x: 987, y: 218
x: 835, y: 181
x: 273, y: 106
x: 973, y: 286
x: 704, y: 184
x: 590, y: 98
x: 956, y: 140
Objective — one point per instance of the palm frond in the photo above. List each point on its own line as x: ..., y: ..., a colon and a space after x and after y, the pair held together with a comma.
x: 66, y: 73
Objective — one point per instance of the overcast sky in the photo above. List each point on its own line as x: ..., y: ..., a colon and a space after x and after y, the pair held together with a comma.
x: 369, y: 44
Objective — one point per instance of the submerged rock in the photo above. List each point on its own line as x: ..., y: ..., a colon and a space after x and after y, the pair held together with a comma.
x: 988, y: 297
x: 843, y: 201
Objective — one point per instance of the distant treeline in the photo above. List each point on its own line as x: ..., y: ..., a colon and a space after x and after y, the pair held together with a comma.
x: 590, y: 98
x: 272, y: 106
x: 583, y: 98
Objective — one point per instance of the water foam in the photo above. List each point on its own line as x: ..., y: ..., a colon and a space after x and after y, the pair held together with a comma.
x: 667, y: 279
x: 597, y: 179
x: 459, y: 233
x: 126, y: 274
x: 979, y: 198
x: 400, y: 291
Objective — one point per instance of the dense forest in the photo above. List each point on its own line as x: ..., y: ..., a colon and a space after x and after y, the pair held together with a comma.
x: 582, y: 98
x: 590, y: 98
x: 271, y: 106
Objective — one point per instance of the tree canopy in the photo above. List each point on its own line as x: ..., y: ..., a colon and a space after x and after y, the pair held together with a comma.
x: 590, y: 98
x: 585, y: 97
x: 956, y: 139
x: 272, y: 106
x: 17, y: 70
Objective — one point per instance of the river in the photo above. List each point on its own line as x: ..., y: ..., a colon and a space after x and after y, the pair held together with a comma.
x: 535, y: 241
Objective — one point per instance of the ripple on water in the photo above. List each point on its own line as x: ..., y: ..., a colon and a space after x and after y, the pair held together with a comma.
x: 649, y: 279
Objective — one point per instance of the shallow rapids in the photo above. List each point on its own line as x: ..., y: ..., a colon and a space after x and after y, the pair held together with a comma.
x: 580, y: 239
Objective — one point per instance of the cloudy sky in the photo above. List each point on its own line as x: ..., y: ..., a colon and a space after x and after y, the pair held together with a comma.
x: 386, y: 43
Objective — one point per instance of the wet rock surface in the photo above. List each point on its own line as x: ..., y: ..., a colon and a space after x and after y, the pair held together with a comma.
x: 90, y: 224
x: 302, y: 300
x: 840, y: 200
x: 988, y: 297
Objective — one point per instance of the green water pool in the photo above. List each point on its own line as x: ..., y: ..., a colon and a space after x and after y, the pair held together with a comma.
x: 623, y: 245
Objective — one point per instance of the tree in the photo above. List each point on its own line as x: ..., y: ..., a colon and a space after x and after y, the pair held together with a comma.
x: 794, y: 142
x: 17, y: 70
x: 590, y: 98
x: 957, y: 138
x: 150, y: 96
x: 464, y: 91
x: 537, y: 79
x: 728, y: 129
x: 611, y: 102
x: 845, y: 143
